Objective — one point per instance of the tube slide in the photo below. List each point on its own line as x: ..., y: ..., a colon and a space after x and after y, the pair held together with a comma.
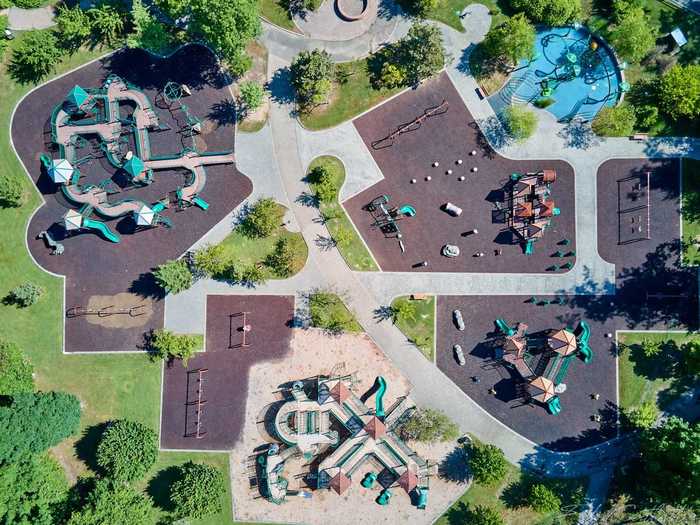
x: 379, y: 396
x: 102, y: 228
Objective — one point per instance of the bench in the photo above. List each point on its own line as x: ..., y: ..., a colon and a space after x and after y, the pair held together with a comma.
x: 639, y: 136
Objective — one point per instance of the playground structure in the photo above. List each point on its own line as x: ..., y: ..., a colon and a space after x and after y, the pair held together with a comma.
x: 542, y: 360
x: 634, y: 221
x: 386, y: 218
x: 96, y: 112
x: 197, y: 403
x: 244, y: 328
x: 323, y: 422
x: 106, y: 311
x: 409, y: 127
x: 529, y: 206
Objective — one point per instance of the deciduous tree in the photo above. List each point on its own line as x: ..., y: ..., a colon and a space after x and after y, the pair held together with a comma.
x: 127, y: 450
x: 15, y: 370
x: 198, y: 491
x: 512, y: 40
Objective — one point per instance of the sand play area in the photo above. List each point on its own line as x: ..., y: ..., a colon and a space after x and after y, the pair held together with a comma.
x: 313, y: 353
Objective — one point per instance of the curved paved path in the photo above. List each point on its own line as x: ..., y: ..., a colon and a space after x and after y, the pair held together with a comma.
x: 25, y: 19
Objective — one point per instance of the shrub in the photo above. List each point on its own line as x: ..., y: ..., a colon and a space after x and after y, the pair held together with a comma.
x: 28, y: 4
x: 110, y: 502
x: 343, y: 236
x: 165, y: 344
x: 643, y: 416
x: 251, y: 275
x: 680, y: 92
x: 634, y: 36
x: 690, y: 360
x: 513, y: 40
x: 483, y: 515
x: 404, y: 311
x: 15, y: 370
x: 173, y: 276
x: 26, y: 294
x: 392, y: 76
x: 107, y: 23
x: 264, y: 217
x: 614, y: 122
x: 543, y: 499
x: 35, y: 56
x: 327, y: 311
x: 252, y: 95
x: 545, y: 102
x: 651, y: 347
x: 520, y: 122
x: 549, y: 12
x: 211, y: 260
x: 73, y: 26
x: 281, y: 260
x: 148, y: 33
x: 127, y: 450
x: 33, y: 422
x: 198, y: 491
x: 11, y: 191
x: 645, y: 116
x: 312, y: 74
x: 325, y: 187
x: 487, y: 463
x: 429, y: 425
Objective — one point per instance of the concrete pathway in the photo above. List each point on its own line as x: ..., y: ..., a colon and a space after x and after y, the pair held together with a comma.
x: 325, y: 24
x: 25, y: 19
x: 596, y: 495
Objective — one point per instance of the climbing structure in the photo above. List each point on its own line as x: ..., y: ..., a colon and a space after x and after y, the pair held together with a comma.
x: 529, y: 205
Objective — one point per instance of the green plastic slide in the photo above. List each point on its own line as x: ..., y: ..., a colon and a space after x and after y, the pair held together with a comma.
x: 554, y: 406
x: 379, y: 396
x: 198, y: 201
x: 503, y: 327
x: 583, y: 337
x: 102, y: 228
x: 529, y: 247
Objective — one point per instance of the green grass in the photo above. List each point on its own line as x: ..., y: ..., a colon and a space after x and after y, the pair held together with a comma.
x: 328, y: 311
x: 447, y: 12
x: 507, y: 499
x: 248, y: 251
x: 691, y: 211
x: 350, y: 97
x: 355, y: 252
x: 420, y: 332
x: 275, y: 12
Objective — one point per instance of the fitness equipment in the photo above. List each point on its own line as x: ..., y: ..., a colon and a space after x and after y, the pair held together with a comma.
x: 198, y: 403
x: 244, y: 329
x: 414, y: 125
x: 106, y: 311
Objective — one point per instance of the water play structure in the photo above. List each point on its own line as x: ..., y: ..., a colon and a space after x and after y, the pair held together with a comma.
x: 323, y: 422
x: 542, y: 359
x: 573, y: 73
x: 96, y: 112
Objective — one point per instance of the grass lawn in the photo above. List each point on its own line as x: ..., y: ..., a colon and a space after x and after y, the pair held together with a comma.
x: 255, y: 120
x: 248, y: 251
x: 328, y: 311
x: 507, y: 498
x: 420, y: 332
x: 691, y: 211
x: 447, y: 12
x: 350, y: 97
x: 275, y: 12
x: 647, y: 379
x: 355, y: 253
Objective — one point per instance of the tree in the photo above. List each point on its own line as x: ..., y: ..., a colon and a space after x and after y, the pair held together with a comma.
x: 543, y: 499
x: 679, y: 92
x: 165, y: 344
x: 28, y: 4
x: 644, y: 416
x: 483, y: 515
x: 690, y: 358
x: 11, y: 191
x: 15, y: 370
x: 312, y: 75
x: 264, y: 217
x: 35, y: 56
x: 73, y: 26
x: 26, y: 294
x: 127, y: 450
x: 404, y: 311
x: 645, y: 116
x: 32, y: 490
x: 421, y: 53
x: 281, y: 260
x: 614, y: 122
x: 549, y: 12
x: 198, y: 491
x: 252, y: 95
x: 107, y: 23
x: 429, y: 425
x: 634, y: 35
x: 173, y: 276
x: 327, y: 311
x: 251, y: 275
x: 651, y: 348
x: 520, y: 122
x: 512, y: 40
x: 211, y: 260
x: 323, y: 183
x: 392, y: 76
x: 228, y: 25
x: 148, y: 33
x: 32, y: 423
x: 421, y: 7
x: 173, y: 8
x: 112, y: 502
x: 487, y: 463
x: 670, y: 466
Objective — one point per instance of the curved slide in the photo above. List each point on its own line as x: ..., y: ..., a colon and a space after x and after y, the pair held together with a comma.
x: 102, y: 228
x: 379, y: 399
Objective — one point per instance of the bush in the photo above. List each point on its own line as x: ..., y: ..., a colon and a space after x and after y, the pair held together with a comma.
x: 429, y: 425
x: 690, y: 359
x: 111, y: 503
x: 211, y: 260
x: 483, y: 515
x: 343, y: 236
x: 34, y: 422
x: 26, y: 294
x: 107, y: 23
x: 165, y: 344
x: 325, y: 187
x: 73, y: 26
x: 148, y: 33
x: 251, y: 275
x: 392, y: 76
x: 520, y: 122
x: 198, y: 491
x: 543, y: 103
x: 127, y: 450
x: 549, y: 12
x: 11, y: 191
x: 312, y: 75
x: 679, y: 92
x: 543, y: 499
x: 651, y: 348
x: 281, y: 260
x: 173, y: 276
x: 487, y: 463
x: 404, y: 311
x: 327, y: 311
x: 263, y: 218
x: 634, y: 36
x: 643, y: 416
x: 35, y: 56
x: 614, y: 122
x: 29, y: 4
x: 252, y: 95
x: 645, y: 116
x: 513, y: 40
x: 15, y: 370
x: 420, y: 7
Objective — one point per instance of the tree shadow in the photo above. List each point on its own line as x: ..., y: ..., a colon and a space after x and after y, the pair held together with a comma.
x: 578, y: 134
x: 454, y: 467
x: 388, y: 9
x: 147, y: 287
x: 459, y: 514
x: 661, y: 366
x: 159, y: 487
x: 308, y: 200
x: 325, y: 243
x: 383, y: 313
x: 223, y: 113
x: 280, y: 86
x: 86, y: 446
x: 494, y: 133
x: 607, y: 429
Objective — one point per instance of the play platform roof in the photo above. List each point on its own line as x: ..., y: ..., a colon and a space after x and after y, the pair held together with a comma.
x: 408, y: 480
x: 72, y: 220
x: 375, y: 428
x: 77, y: 96
x: 134, y: 166
x: 545, y: 387
x: 145, y: 216
x: 562, y: 342
x: 340, y: 392
x: 340, y: 482
x: 60, y: 171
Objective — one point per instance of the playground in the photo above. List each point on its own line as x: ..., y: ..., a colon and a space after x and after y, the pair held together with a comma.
x: 134, y: 158
x: 314, y: 353
x: 574, y: 72
x: 204, y: 404
x: 448, y: 200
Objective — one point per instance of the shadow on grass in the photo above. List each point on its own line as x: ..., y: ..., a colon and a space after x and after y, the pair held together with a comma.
x: 86, y: 446
x: 159, y: 487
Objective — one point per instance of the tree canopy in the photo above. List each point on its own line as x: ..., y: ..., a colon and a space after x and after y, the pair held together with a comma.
x: 198, y: 491
x: 127, y: 450
x: 614, y: 122
x: 35, y: 56
x: 33, y: 422
x: 112, y: 502
x: 312, y: 74
x: 429, y: 425
x: 487, y: 463
x: 520, y: 122
x: 421, y: 52
x: 15, y: 370
x: 549, y: 12
x: 173, y: 276
x: 513, y: 40
x: 263, y: 218
x: 680, y: 91
x: 634, y: 36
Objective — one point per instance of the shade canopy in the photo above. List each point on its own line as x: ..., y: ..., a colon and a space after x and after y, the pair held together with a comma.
x: 77, y: 96
x: 340, y: 482
x: 60, y: 171
x: 408, y: 480
x: 544, y: 387
x: 375, y: 428
x: 514, y: 344
x: 562, y: 342
x: 72, y: 220
x: 340, y: 392
x: 145, y: 216
x: 134, y: 166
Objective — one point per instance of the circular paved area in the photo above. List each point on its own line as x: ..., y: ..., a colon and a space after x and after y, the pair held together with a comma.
x: 326, y: 23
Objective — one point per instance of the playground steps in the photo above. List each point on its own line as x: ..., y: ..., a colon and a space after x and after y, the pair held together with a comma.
x: 507, y: 94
